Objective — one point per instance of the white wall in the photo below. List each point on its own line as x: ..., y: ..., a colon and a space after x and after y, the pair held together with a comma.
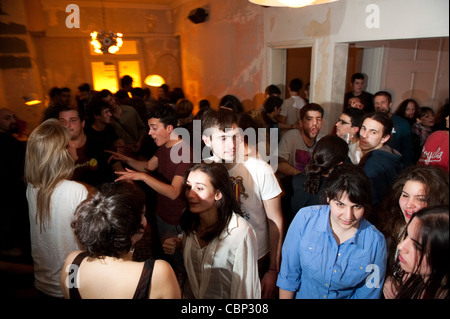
x: 330, y: 27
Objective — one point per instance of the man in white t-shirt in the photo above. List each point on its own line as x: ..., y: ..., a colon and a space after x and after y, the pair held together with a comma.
x: 257, y: 190
x: 290, y: 110
x: 296, y: 146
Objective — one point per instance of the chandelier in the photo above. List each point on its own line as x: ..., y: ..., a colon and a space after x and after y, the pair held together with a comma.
x: 106, y: 42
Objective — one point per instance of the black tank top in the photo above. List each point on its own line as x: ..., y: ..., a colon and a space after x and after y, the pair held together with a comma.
x: 142, y: 288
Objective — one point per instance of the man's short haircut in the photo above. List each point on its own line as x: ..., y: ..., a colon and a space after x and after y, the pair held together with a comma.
x: 383, y: 93
x: 384, y: 119
x: 69, y: 108
x: 272, y: 90
x: 95, y: 107
x: 357, y: 76
x: 222, y: 120
x: 295, y: 85
x: 310, y: 107
x: 104, y: 93
x: 165, y: 113
x: 356, y: 116
x: 271, y: 103
x: 54, y: 92
x: 126, y: 80
x: 85, y: 87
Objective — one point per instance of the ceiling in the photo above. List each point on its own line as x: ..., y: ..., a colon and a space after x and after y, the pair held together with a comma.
x: 155, y: 2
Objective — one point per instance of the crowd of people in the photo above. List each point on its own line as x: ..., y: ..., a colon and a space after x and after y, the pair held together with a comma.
x: 357, y: 213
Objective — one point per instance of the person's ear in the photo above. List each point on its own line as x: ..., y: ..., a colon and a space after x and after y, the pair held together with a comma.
x: 206, y: 140
x: 218, y: 195
x: 385, y: 139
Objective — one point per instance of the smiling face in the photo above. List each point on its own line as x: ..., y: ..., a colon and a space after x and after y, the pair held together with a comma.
x: 200, y: 193
x: 344, y: 214
x: 412, y: 199
x: 410, y: 249
x: 382, y: 104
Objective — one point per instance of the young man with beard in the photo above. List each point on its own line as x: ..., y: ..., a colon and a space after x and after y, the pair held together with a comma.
x: 380, y: 162
x: 296, y: 146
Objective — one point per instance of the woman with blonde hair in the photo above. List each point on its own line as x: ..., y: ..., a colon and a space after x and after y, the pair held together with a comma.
x: 52, y: 200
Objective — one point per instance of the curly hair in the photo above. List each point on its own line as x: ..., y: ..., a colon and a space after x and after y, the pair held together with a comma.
x: 329, y: 151
x: 435, y: 181
x: 105, y: 222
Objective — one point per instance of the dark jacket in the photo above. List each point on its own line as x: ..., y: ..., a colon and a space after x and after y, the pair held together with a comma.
x: 382, y: 166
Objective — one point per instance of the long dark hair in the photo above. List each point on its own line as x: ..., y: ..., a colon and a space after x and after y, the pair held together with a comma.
x: 328, y: 152
x: 436, y: 183
x: 220, y: 180
x: 434, y: 232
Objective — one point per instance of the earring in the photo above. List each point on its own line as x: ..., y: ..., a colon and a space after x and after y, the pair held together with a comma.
x: 132, y: 249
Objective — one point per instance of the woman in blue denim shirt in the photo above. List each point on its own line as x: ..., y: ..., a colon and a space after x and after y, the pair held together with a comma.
x: 331, y: 251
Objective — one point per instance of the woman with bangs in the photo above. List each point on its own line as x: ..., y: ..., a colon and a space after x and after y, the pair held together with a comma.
x: 422, y: 265
x: 331, y: 251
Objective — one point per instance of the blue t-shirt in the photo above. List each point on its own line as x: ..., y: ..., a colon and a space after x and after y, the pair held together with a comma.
x: 315, y: 267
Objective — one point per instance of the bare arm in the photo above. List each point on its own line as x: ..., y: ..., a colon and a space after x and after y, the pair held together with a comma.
x: 140, y: 166
x: 171, y: 191
x: 276, y: 230
x: 164, y: 283
x: 284, y: 294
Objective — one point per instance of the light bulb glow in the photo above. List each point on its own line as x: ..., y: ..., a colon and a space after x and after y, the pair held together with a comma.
x: 297, y: 3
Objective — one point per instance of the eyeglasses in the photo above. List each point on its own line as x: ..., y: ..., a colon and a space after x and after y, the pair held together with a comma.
x: 342, y: 122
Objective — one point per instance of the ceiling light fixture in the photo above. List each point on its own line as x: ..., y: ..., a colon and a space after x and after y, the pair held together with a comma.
x: 289, y: 3
x: 31, y: 99
x: 154, y: 80
x: 106, y: 42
